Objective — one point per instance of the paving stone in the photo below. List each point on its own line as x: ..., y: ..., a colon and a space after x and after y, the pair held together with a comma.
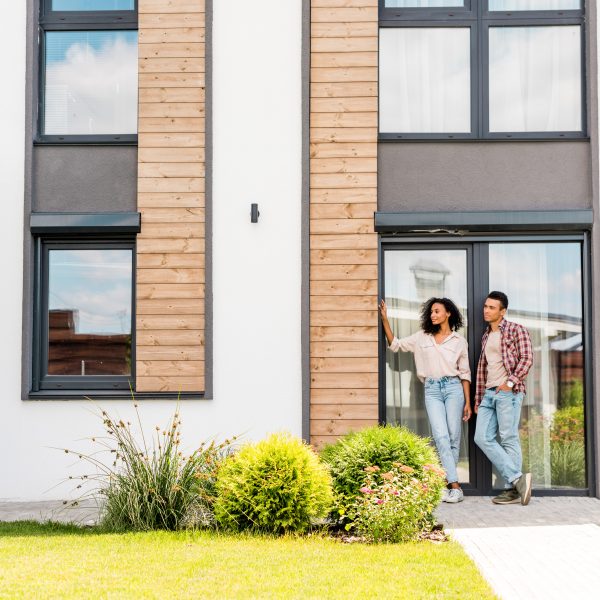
x: 548, y: 549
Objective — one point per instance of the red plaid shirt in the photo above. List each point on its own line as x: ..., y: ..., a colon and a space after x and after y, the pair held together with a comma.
x: 517, y: 356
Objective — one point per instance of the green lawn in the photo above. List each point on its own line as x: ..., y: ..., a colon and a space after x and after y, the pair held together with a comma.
x: 52, y: 561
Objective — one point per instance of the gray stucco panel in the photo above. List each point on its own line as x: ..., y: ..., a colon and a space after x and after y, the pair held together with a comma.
x: 484, y: 175
x: 84, y: 179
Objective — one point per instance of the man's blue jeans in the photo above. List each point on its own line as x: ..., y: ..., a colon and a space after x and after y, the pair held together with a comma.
x: 445, y: 401
x: 499, y: 415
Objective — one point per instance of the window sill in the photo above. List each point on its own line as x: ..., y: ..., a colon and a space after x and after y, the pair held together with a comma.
x: 86, y: 140
x: 393, y: 138
x: 67, y: 395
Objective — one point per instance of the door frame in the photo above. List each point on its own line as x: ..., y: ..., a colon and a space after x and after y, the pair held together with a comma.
x: 477, y: 245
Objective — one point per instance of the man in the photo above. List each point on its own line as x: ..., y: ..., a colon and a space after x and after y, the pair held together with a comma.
x: 506, y: 357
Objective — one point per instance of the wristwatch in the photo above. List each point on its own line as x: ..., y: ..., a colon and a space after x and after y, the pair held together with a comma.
x: 510, y: 384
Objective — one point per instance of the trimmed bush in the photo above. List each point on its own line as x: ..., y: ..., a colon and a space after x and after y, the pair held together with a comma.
x: 277, y: 485
x: 396, y: 506
x: 378, y: 446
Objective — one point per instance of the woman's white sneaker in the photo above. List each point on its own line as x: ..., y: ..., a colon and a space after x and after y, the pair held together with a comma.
x: 445, y: 494
x: 455, y: 495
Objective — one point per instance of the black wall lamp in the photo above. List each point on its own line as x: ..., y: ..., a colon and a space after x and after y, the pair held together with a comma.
x: 254, y: 214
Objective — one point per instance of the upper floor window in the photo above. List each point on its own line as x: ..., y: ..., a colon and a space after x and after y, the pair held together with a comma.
x: 492, y: 69
x: 88, y: 71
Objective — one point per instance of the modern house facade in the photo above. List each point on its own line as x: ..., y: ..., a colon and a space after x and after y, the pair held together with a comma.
x: 204, y: 202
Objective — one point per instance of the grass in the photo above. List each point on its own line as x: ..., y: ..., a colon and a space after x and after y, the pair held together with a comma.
x: 57, y: 561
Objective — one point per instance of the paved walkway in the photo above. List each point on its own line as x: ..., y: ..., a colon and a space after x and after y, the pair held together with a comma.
x: 549, y: 549
x: 84, y: 514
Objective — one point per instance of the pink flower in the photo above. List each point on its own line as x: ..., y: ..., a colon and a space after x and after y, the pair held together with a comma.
x: 395, y: 492
x: 372, y: 469
x: 380, y: 501
x: 407, y: 469
x: 365, y: 490
x: 387, y: 476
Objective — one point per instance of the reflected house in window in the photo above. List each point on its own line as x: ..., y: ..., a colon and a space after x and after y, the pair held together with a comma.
x: 430, y: 278
x: 73, y: 353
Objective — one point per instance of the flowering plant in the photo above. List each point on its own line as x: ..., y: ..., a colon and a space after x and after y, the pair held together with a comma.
x: 397, y: 505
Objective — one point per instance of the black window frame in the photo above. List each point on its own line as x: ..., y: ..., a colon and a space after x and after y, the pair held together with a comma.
x: 99, y: 20
x: 475, y: 14
x: 41, y: 381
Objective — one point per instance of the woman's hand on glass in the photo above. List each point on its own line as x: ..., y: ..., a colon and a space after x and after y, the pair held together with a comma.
x: 383, y: 311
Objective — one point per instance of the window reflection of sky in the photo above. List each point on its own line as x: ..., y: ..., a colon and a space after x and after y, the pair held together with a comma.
x: 96, y: 284
x: 91, y: 82
x: 83, y: 5
x: 400, y: 281
x: 538, y: 278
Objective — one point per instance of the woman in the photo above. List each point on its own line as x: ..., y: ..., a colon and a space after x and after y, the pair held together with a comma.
x: 442, y: 361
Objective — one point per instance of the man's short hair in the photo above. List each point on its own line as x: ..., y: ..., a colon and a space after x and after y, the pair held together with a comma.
x: 500, y: 296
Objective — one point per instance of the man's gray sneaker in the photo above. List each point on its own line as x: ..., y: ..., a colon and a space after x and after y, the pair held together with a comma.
x: 523, y: 485
x: 455, y: 495
x: 507, y: 497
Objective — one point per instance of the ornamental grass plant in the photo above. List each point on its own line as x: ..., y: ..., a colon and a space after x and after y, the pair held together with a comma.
x: 277, y: 485
x: 148, y: 483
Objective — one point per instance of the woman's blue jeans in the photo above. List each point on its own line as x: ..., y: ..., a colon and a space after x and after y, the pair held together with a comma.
x: 445, y: 402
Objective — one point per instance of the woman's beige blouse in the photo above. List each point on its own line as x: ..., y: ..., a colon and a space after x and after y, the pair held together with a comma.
x: 448, y: 359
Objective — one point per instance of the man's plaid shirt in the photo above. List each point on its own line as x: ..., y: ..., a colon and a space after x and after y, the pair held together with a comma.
x: 517, y: 356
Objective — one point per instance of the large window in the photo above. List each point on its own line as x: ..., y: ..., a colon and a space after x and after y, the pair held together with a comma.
x: 88, y: 71
x: 493, y: 69
x: 84, y: 315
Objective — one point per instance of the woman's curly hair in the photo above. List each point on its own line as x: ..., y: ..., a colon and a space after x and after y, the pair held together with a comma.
x: 455, y: 320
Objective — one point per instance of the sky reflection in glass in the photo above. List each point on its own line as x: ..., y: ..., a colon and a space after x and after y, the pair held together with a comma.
x: 95, y: 285
x: 91, y: 82
x: 85, y: 5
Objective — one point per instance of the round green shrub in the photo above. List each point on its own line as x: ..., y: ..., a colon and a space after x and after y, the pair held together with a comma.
x: 378, y: 446
x: 277, y: 485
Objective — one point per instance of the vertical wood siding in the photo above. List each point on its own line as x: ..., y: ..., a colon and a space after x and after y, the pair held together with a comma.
x: 170, y: 248
x: 343, y: 198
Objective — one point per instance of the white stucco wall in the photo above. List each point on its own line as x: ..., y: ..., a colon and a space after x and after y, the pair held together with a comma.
x: 256, y: 267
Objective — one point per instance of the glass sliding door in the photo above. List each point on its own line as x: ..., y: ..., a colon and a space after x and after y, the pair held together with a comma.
x: 411, y: 278
x: 544, y: 280
x: 544, y: 286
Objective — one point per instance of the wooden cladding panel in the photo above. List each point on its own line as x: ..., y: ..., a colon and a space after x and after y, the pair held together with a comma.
x: 171, y: 182
x: 343, y: 198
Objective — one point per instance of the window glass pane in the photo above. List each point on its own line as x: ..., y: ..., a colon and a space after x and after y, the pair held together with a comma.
x: 543, y: 285
x: 535, y: 78
x: 90, y: 82
x: 425, y: 80
x: 84, y: 5
x: 422, y: 3
x: 89, y: 306
x: 411, y: 278
x: 534, y: 4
